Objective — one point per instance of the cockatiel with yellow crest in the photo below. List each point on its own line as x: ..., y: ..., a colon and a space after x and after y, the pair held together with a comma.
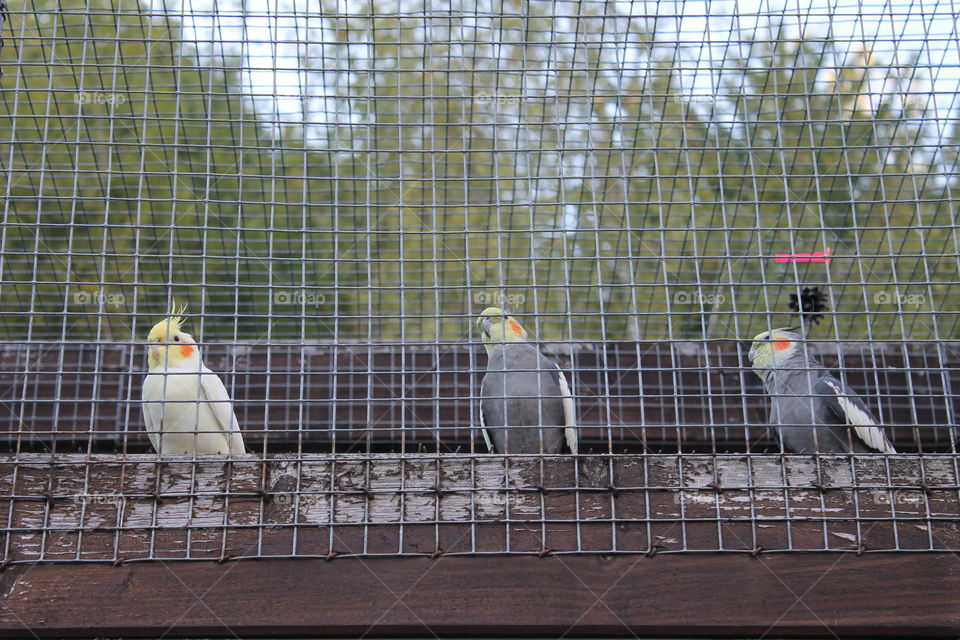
x: 186, y: 408
x: 525, y: 405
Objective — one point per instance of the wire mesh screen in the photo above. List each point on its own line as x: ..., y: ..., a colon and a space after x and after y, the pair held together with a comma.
x: 336, y: 191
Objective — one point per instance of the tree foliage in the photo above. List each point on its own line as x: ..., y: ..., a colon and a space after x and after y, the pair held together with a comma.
x: 552, y: 163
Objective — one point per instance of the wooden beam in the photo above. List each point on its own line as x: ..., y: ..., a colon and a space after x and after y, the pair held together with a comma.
x: 715, y: 595
x: 700, y: 394
x: 124, y: 508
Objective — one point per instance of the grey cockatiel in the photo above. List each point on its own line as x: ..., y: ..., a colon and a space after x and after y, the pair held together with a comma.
x: 525, y: 405
x: 812, y: 410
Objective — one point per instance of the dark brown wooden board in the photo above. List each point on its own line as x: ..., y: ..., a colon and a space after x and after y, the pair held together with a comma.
x: 825, y: 595
x: 636, y: 396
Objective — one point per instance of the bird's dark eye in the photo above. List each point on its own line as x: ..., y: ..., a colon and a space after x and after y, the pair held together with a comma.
x: 176, y: 338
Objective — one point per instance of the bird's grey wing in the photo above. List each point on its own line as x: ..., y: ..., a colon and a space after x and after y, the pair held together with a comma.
x: 216, y: 394
x: 850, y: 409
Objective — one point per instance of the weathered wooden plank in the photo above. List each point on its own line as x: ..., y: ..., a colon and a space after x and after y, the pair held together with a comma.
x: 121, y: 508
x: 715, y: 595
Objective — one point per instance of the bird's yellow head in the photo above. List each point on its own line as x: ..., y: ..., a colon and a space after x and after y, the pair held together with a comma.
x: 169, y: 346
x: 772, y: 349
x: 497, y: 327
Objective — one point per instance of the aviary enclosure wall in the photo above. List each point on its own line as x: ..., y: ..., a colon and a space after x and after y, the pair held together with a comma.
x: 336, y: 190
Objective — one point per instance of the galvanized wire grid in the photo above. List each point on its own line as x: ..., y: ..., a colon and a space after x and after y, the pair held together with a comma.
x: 337, y: 192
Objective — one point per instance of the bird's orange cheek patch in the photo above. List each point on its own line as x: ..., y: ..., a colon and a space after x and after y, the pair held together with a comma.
x: 186, y: 351
x: 780, y: 345
x: 515, y: 326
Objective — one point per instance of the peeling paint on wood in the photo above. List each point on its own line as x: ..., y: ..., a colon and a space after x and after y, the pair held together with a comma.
x: 125, y: 508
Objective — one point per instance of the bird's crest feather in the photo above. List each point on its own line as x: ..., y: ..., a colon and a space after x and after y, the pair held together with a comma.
x: 177, y: 314
x: 169, y: 326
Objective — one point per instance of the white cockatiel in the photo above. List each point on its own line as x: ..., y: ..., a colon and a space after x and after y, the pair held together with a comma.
x: 186, y: 408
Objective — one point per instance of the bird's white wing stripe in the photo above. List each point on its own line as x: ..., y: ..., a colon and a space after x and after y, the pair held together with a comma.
x: 569, y: 414
x: 222, y: 408
x: 483, y: 430
x: 863, y: 423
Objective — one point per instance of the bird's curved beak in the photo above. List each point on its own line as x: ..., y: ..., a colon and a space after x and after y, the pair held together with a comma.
x: 485, y: 326
x: 752, y: 353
